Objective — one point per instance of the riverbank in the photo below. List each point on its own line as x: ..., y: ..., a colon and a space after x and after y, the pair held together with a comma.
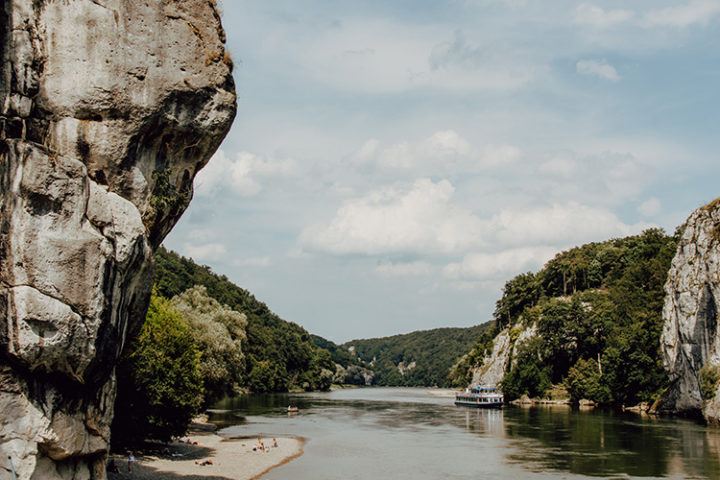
x: 208, y: 456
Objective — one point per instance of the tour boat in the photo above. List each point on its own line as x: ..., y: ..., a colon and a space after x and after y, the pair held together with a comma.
x: 482, y: 396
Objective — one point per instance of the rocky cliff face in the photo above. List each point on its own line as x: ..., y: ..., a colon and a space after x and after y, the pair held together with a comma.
x: 108, y: 108
x: 494, y: 366
x: 690, y: 341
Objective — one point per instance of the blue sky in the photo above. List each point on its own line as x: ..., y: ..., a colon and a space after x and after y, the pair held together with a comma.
x: 393, y: 163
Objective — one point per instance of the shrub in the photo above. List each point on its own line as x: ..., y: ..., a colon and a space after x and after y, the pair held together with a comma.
x: 709, y: 376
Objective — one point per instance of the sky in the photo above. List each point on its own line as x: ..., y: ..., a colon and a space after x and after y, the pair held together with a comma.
x: 393, y: 163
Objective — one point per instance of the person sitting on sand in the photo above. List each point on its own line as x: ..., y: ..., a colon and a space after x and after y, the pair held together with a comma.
x: 259, y: 445
x: 275, y: 445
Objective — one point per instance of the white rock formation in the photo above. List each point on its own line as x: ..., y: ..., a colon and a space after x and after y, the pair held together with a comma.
x: 690, y: 335
x: 493, y: 368
x: 108, y: 109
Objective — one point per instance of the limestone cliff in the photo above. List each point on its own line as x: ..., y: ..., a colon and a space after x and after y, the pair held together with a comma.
x: 689, y: 340
x: 504, y: 351
x: 108, y: 108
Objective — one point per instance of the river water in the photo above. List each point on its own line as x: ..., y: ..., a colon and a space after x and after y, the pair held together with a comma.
x: 419, y: 434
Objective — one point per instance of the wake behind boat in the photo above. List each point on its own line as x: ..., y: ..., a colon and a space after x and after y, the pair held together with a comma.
x: 482, y: 396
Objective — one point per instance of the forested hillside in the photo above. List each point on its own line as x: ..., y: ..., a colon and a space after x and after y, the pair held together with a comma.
x: 422, y: 358
x: 598, y: 313
x: 279, y: 354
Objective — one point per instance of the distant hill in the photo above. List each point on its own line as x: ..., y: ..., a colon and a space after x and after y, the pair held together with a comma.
x: 422, y: 358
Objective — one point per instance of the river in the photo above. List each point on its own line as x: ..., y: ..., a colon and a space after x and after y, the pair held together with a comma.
x: 419, y: 434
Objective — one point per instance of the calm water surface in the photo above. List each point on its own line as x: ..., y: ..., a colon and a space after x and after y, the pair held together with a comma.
x: 392, y: 433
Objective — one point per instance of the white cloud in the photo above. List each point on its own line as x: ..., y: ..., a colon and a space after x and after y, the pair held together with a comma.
x: 596, y: 17
x: 681, y: 16
x: 597, y: 68
x: 398, y: 156
x: 252, y: 262
x: 563, y: 166
x: 204, y: 252
x: 242, y: 176
x: 502, y: 264
x: 426, y: 218
x: 382, y: 56
x: 650, y: 207
x: 368, y: 149
x: 483, y: 66
x: 404, y: 269
x: 561, y: 224
x: 201, y: 235
x: 444, y: 153
x: 499, y: 155
x: 697, y: 11
x: 447, y: 143
x: 418, y: 218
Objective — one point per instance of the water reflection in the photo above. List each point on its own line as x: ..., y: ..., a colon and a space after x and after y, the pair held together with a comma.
x: 366, y: 430
x: 484, y: 422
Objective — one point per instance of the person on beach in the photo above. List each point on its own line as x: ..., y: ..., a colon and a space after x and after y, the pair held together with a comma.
x: 131, y: 461
x: 275, y: 443
x: 260, y: 446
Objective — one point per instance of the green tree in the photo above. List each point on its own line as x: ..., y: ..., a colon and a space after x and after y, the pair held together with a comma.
x: 584, y: 381
x: 219, y: 333
x: 266, y: 377
x: 159, y: 382
x: 518, y: 294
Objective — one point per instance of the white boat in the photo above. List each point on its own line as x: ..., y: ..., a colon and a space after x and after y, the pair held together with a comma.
x: 482, y: 396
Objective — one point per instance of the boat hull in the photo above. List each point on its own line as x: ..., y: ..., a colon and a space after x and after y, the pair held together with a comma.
x: 460, y: 403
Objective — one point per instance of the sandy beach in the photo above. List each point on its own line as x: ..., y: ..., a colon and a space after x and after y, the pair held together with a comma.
x: 232, y: 459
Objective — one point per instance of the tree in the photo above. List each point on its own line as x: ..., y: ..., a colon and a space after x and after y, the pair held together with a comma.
x: 518, y: 294
x: 218, y: 332
x: 266, y: 377
x: 584, y: 381
x: 159, y: 383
